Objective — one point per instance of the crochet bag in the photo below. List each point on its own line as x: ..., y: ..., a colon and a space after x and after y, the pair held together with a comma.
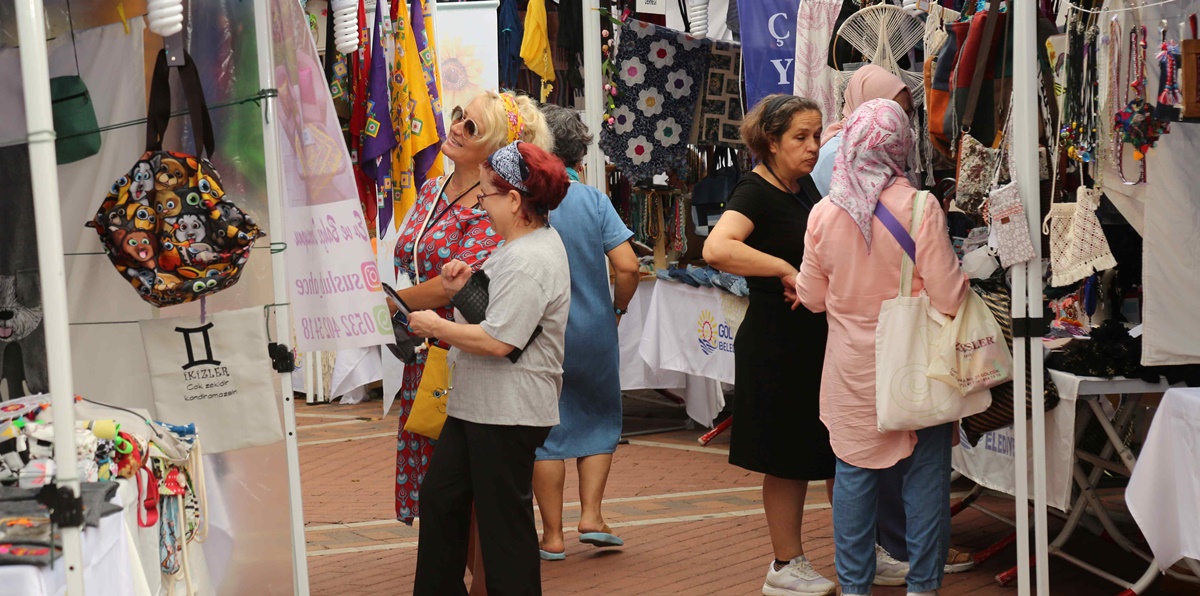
x: 1078, y: 247
x: 167, y: 225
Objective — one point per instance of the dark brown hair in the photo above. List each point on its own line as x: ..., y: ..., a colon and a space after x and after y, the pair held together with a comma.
x: 770, y: 119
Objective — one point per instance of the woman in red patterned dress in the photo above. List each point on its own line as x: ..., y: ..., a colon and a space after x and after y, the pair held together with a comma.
x: 450, y: 226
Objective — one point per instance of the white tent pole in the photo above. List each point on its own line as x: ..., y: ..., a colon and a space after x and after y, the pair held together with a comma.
x: 43, y: 166
x: 283, y: 329
x: 321, y: 397
x: 593, y: 91
x: 1025, y: 147
x: 1020, y: 429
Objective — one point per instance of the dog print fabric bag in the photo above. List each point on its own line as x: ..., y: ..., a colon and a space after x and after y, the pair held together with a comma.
x: 167, y: 225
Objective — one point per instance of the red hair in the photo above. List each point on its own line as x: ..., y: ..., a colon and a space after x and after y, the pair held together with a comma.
x: 547, y: 181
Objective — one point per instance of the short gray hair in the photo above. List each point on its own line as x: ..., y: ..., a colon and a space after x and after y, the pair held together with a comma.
x: 571, y: 136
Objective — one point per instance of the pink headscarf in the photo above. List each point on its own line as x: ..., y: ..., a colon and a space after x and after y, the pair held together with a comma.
x: 874, y: 153
x: 869, y: 82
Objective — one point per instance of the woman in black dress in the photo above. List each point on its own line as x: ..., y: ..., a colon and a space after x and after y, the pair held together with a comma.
x: 779, y: 350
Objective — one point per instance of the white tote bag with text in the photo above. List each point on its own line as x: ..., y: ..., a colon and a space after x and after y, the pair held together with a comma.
x: 905, y: 397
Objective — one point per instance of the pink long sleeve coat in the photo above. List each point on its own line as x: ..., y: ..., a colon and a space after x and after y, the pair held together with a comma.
x: 839, y: 277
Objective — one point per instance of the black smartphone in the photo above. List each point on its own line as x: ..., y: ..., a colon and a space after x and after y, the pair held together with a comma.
x: 391, y: 293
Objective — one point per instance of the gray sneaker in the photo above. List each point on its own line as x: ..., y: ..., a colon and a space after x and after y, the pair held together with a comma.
x: 888, y: 571
x: 797, y: 578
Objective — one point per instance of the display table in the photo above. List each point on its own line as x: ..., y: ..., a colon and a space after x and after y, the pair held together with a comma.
x: 108, y: 566
x: 992, y: 462
x: 680, y: 338
x: 1164, y: 492
x: 1064, y: 471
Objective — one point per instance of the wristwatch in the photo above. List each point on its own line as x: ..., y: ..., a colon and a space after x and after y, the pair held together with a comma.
x: 619, y: 311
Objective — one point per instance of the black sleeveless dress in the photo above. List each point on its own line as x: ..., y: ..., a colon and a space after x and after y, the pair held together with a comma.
x: 778, y: 352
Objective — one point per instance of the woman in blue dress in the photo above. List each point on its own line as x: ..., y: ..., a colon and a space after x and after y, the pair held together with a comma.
x: 590, y: 404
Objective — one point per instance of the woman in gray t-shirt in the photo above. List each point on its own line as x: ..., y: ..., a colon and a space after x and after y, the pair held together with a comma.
x: 499, y: 411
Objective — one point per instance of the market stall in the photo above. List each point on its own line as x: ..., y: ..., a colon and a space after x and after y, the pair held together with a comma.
x: 234, y: 343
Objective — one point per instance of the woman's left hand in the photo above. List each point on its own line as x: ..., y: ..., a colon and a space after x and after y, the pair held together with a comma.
x: 425, y: 323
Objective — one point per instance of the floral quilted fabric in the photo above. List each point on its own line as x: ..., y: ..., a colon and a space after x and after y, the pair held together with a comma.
x: 660, y: 75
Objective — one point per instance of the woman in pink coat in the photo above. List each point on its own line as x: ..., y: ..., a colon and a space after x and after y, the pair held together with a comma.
x: 851, y: 265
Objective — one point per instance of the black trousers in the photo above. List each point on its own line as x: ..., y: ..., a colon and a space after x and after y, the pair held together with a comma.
x: 492, y: 467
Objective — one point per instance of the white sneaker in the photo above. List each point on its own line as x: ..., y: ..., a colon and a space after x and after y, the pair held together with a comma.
x: 888, y: 571
x: 797, y: 578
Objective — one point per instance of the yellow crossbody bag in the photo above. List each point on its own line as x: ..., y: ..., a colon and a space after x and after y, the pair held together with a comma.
x: 428, y: 413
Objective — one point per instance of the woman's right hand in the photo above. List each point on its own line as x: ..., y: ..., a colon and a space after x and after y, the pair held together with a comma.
x: 788, y: 279
x: 454, y: 276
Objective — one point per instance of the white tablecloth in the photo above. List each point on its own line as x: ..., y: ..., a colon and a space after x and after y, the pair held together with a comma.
x: 1164, y: 493
x: 661, y: 343
x: 992, y: 463
x: 106, y: 559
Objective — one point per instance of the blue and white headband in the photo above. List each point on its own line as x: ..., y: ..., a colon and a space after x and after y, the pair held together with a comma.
x: 510, y: 165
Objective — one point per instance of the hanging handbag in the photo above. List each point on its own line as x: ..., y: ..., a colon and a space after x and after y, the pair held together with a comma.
x: 1078, y: 247
x: 964, y: 72
x: 905, y: 397
x: 975, y: 166
x: 167, y: 226
x: 428, y: 413
x: 74, y: 120
x: 1007, y: 216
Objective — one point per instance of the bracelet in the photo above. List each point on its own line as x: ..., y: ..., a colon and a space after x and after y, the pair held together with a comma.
x: 619, y: 311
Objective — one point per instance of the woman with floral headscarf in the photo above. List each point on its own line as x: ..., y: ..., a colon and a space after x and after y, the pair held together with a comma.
x: 851, y: 265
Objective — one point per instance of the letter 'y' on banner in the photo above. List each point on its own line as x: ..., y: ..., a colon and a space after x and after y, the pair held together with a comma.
x: 768, y: 47
x: 218, y: 375
x: 651, y: 6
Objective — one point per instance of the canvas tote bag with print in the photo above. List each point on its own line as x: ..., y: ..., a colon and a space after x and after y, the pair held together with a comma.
x: 217, y: 373
x: 905, y: 397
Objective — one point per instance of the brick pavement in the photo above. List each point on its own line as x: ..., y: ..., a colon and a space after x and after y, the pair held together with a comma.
x: 692, y: 523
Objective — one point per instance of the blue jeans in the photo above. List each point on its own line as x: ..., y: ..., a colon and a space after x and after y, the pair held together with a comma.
x: 926, y: 496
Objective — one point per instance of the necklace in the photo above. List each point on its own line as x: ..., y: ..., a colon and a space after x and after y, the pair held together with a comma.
x: 795, y: 194
x: 1136, y: 124
x: 463, y: 193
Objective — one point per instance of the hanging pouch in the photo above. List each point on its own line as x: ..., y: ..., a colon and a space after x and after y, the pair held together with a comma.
x: 74, y: 120
x: 975, y: 166
x: 1007, y: 214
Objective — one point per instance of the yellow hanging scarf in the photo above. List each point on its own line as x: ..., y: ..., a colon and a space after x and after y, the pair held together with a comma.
x: 535, y: 47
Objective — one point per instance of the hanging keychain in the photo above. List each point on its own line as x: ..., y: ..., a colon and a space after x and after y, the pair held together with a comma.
x: 1169, y: 97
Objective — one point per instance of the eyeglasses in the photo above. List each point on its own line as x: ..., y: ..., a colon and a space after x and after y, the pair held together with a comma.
x: 469, y: 126
x: 483, y: 195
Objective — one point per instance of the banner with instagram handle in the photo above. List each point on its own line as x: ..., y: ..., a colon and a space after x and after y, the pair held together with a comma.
x: 336, y: 298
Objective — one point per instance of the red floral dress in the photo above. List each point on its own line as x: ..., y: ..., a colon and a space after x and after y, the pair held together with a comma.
x: 460, y: 232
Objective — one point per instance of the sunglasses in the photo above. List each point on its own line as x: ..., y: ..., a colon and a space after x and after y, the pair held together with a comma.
x: 469, y: 126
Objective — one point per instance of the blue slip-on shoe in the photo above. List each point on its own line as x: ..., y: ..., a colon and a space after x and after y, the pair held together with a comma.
x: 603, y: 538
